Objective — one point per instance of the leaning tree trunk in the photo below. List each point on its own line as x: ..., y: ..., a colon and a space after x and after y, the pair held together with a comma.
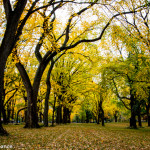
x: 48, y: 83
x: 2, y: 67
x: 32, y: 116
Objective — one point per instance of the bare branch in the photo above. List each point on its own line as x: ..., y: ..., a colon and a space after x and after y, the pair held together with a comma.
x: 7, y: 8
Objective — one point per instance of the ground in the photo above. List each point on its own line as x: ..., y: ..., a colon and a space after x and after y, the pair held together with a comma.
x: 114, y: 136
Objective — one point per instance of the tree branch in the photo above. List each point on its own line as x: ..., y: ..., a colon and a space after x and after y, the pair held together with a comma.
x: 7, y: 7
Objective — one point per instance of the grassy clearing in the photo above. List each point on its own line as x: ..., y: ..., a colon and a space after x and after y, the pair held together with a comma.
x: 114, y: 136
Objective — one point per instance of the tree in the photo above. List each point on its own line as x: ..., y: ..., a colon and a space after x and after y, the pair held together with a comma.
x: 14, y: 28
x: 129, y: 75
x: 69, y: 73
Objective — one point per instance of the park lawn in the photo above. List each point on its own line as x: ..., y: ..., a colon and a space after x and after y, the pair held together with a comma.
x: 114, y: 136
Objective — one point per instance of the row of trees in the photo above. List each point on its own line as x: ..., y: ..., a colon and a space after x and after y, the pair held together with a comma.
x: 49, y: 39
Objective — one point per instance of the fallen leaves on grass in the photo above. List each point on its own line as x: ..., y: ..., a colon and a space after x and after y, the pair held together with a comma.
x: 78, y: 136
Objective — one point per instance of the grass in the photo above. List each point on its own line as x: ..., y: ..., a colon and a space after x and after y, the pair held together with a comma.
x: 114, y: 136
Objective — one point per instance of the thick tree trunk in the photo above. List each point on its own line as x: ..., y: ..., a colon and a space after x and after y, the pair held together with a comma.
x: 115, y: 118
x: 32, y: 115
x: 2, y: 67
x: 59, y: 115
x: 139, y: 120
x: 4, y: 115
x: 5, y: 121
x: 66, y: 115
x: 133, y: 114
x: 87, y: 117
x: 3, y: 132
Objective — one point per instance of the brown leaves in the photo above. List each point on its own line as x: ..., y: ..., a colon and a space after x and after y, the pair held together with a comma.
x: 78, y: 136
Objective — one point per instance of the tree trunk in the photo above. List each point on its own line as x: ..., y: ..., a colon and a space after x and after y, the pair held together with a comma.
x: 115, y: 116
x: 40, y: 116
x: 4, y: 115
x: 133, y: 115
x: 2, y: 67
x: 66, y: 115
x: 98, y: 118
x: 148, y: 108
x: 8, y: 43
x: 103, y: 124
x: 139, y: 120
x: 46, y: 101
x: 148, y: 114
x: 59, y: 115
x: 87, y: 117
x: 48, y: 83
x: 139, y: 115
x: 12, y: 108
x: 18, y: 113
x: 101, y: 110
x: 32, y: 115
x: 148, y: 121
x: 8, y: 111
x: 25, y: 112
x: 53, y: 110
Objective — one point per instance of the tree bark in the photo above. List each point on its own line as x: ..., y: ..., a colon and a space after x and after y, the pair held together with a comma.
x: 9, y: 42
x: 54, y: 109
x: 148, y: 108
x: 115, y: 116
x: 2, y: 67
x: 133, y: 114
x: 4, y: 115
x: 32, y: 116
x: 8, y: 111
x: 139, y: 120
x: 48, y: 83
x: 103, y: 124
x: 66, y: 115
x: 59, y: 115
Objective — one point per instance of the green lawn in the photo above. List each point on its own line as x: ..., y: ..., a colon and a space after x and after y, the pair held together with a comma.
x: 114, y: 136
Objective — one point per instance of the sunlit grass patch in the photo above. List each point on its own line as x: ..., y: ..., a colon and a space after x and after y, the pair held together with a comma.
x: 78, y: 136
